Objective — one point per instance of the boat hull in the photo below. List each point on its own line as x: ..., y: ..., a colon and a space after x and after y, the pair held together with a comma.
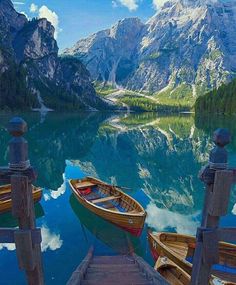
x: 163, y: 244
x: 132, y: 223
x: 6, y: 205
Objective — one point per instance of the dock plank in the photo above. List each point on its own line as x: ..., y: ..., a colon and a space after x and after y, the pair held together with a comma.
x: 116, y: 270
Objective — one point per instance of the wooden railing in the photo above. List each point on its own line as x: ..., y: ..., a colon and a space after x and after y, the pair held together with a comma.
x: 20, y: 175
x: 219, y: 180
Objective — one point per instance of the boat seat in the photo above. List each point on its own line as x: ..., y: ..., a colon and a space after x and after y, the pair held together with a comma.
x: 101, y: 200
x: 92, y: 196
x: 84, y: 184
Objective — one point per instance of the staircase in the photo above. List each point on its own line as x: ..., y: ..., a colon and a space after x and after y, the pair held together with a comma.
x: 115, y: 270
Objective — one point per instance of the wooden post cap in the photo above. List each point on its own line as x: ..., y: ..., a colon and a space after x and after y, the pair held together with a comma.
x: 18, y: 146
x: 218, y: 158
x: 222, y: 137
x: 17, y: 127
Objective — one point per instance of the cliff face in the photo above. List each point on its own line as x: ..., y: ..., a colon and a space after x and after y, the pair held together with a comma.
x: 29, y: 47
x: 111, y: 55
x: 190, y: 45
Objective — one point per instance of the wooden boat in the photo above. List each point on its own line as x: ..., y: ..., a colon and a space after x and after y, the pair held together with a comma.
x: 180, y: 250
x: 110, y: 203
x: 177, y: 276
x: 171, y: 272
x: 111, y: 235
x: 5, y: 197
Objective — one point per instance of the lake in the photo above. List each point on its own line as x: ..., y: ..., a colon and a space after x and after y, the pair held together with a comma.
x: 158, y: 157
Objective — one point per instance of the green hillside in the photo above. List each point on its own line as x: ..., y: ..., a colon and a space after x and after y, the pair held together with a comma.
x: 218, y: 101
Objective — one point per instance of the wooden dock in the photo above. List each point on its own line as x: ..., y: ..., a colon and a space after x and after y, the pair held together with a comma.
x: 115, y: 270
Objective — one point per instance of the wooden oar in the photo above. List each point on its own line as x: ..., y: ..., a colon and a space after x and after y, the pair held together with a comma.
x: 121, y: 187
x: 117, y: 186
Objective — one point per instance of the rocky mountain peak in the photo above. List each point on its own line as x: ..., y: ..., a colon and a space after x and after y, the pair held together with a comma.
x: 188, y: 46
x: 14, y: 20
x: 35, y: 40
x: 29, y: 59
x: 126, y: 28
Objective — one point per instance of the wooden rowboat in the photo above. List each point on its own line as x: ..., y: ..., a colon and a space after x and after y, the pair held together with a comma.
x: 177, y: 276
x: 171, y: 272
x: 179, y: 249
x: 110, y: 203
x: 5, y: 197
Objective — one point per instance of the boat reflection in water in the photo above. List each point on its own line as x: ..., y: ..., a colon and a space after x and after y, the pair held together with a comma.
x: 115, y: 238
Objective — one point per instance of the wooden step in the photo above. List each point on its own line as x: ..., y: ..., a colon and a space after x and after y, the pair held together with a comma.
x: 100, y: 276
x: 112, y: 260
x: 113, y: 269
x: 116, y: 270
x: 90, y: 282
x: 113, y: 266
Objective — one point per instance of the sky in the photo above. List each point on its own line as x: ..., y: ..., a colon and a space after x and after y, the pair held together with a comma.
x: 76, y: 19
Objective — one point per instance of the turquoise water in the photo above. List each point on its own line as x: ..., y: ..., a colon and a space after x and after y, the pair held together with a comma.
x: 157, y: 157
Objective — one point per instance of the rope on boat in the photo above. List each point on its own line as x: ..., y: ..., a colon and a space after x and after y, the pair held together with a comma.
x: 218, y: 166
x: 20, y: 166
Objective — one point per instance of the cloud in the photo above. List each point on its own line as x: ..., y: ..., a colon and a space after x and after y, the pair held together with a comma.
x: 50, y: 240
x: 51, y: 16
x: 22, y: 12
x: 163, y: 219
x: 33, y: 8
x: 132, y: 5
x: 59, y: 192
x: 19, y: 3
x: 234, y: 210
x: 158, y: 3
x: 8, y: 246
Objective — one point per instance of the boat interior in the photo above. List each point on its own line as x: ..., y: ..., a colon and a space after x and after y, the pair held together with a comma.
x: 105, y: 196
x: 226, y: 269
x: 5, y: 193
x: 173, y: 275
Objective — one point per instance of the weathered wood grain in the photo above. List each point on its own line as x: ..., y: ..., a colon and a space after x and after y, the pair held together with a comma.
x: 24, y: 250
x: 219, y: 200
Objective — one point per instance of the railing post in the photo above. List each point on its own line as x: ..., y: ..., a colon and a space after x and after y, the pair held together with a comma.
x: 218, y: 184
x: 22, y: 175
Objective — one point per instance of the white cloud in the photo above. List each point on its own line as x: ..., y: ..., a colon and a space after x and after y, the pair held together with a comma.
x: 18, y: 3
x: 234, y: 210
x: 59, y: 192
x: 33, y: 8
x: 162, y: 219
x: 8, y: 246
x: 158, y: 3
x: 50, y: 240
x: 51, y: 16
x: 132, y: 5
x: 22, y: 12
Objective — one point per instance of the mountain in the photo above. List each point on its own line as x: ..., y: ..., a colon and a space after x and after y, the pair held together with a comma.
x: 110, y: 54
x: 187, y: 48
x: 31, y: 72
